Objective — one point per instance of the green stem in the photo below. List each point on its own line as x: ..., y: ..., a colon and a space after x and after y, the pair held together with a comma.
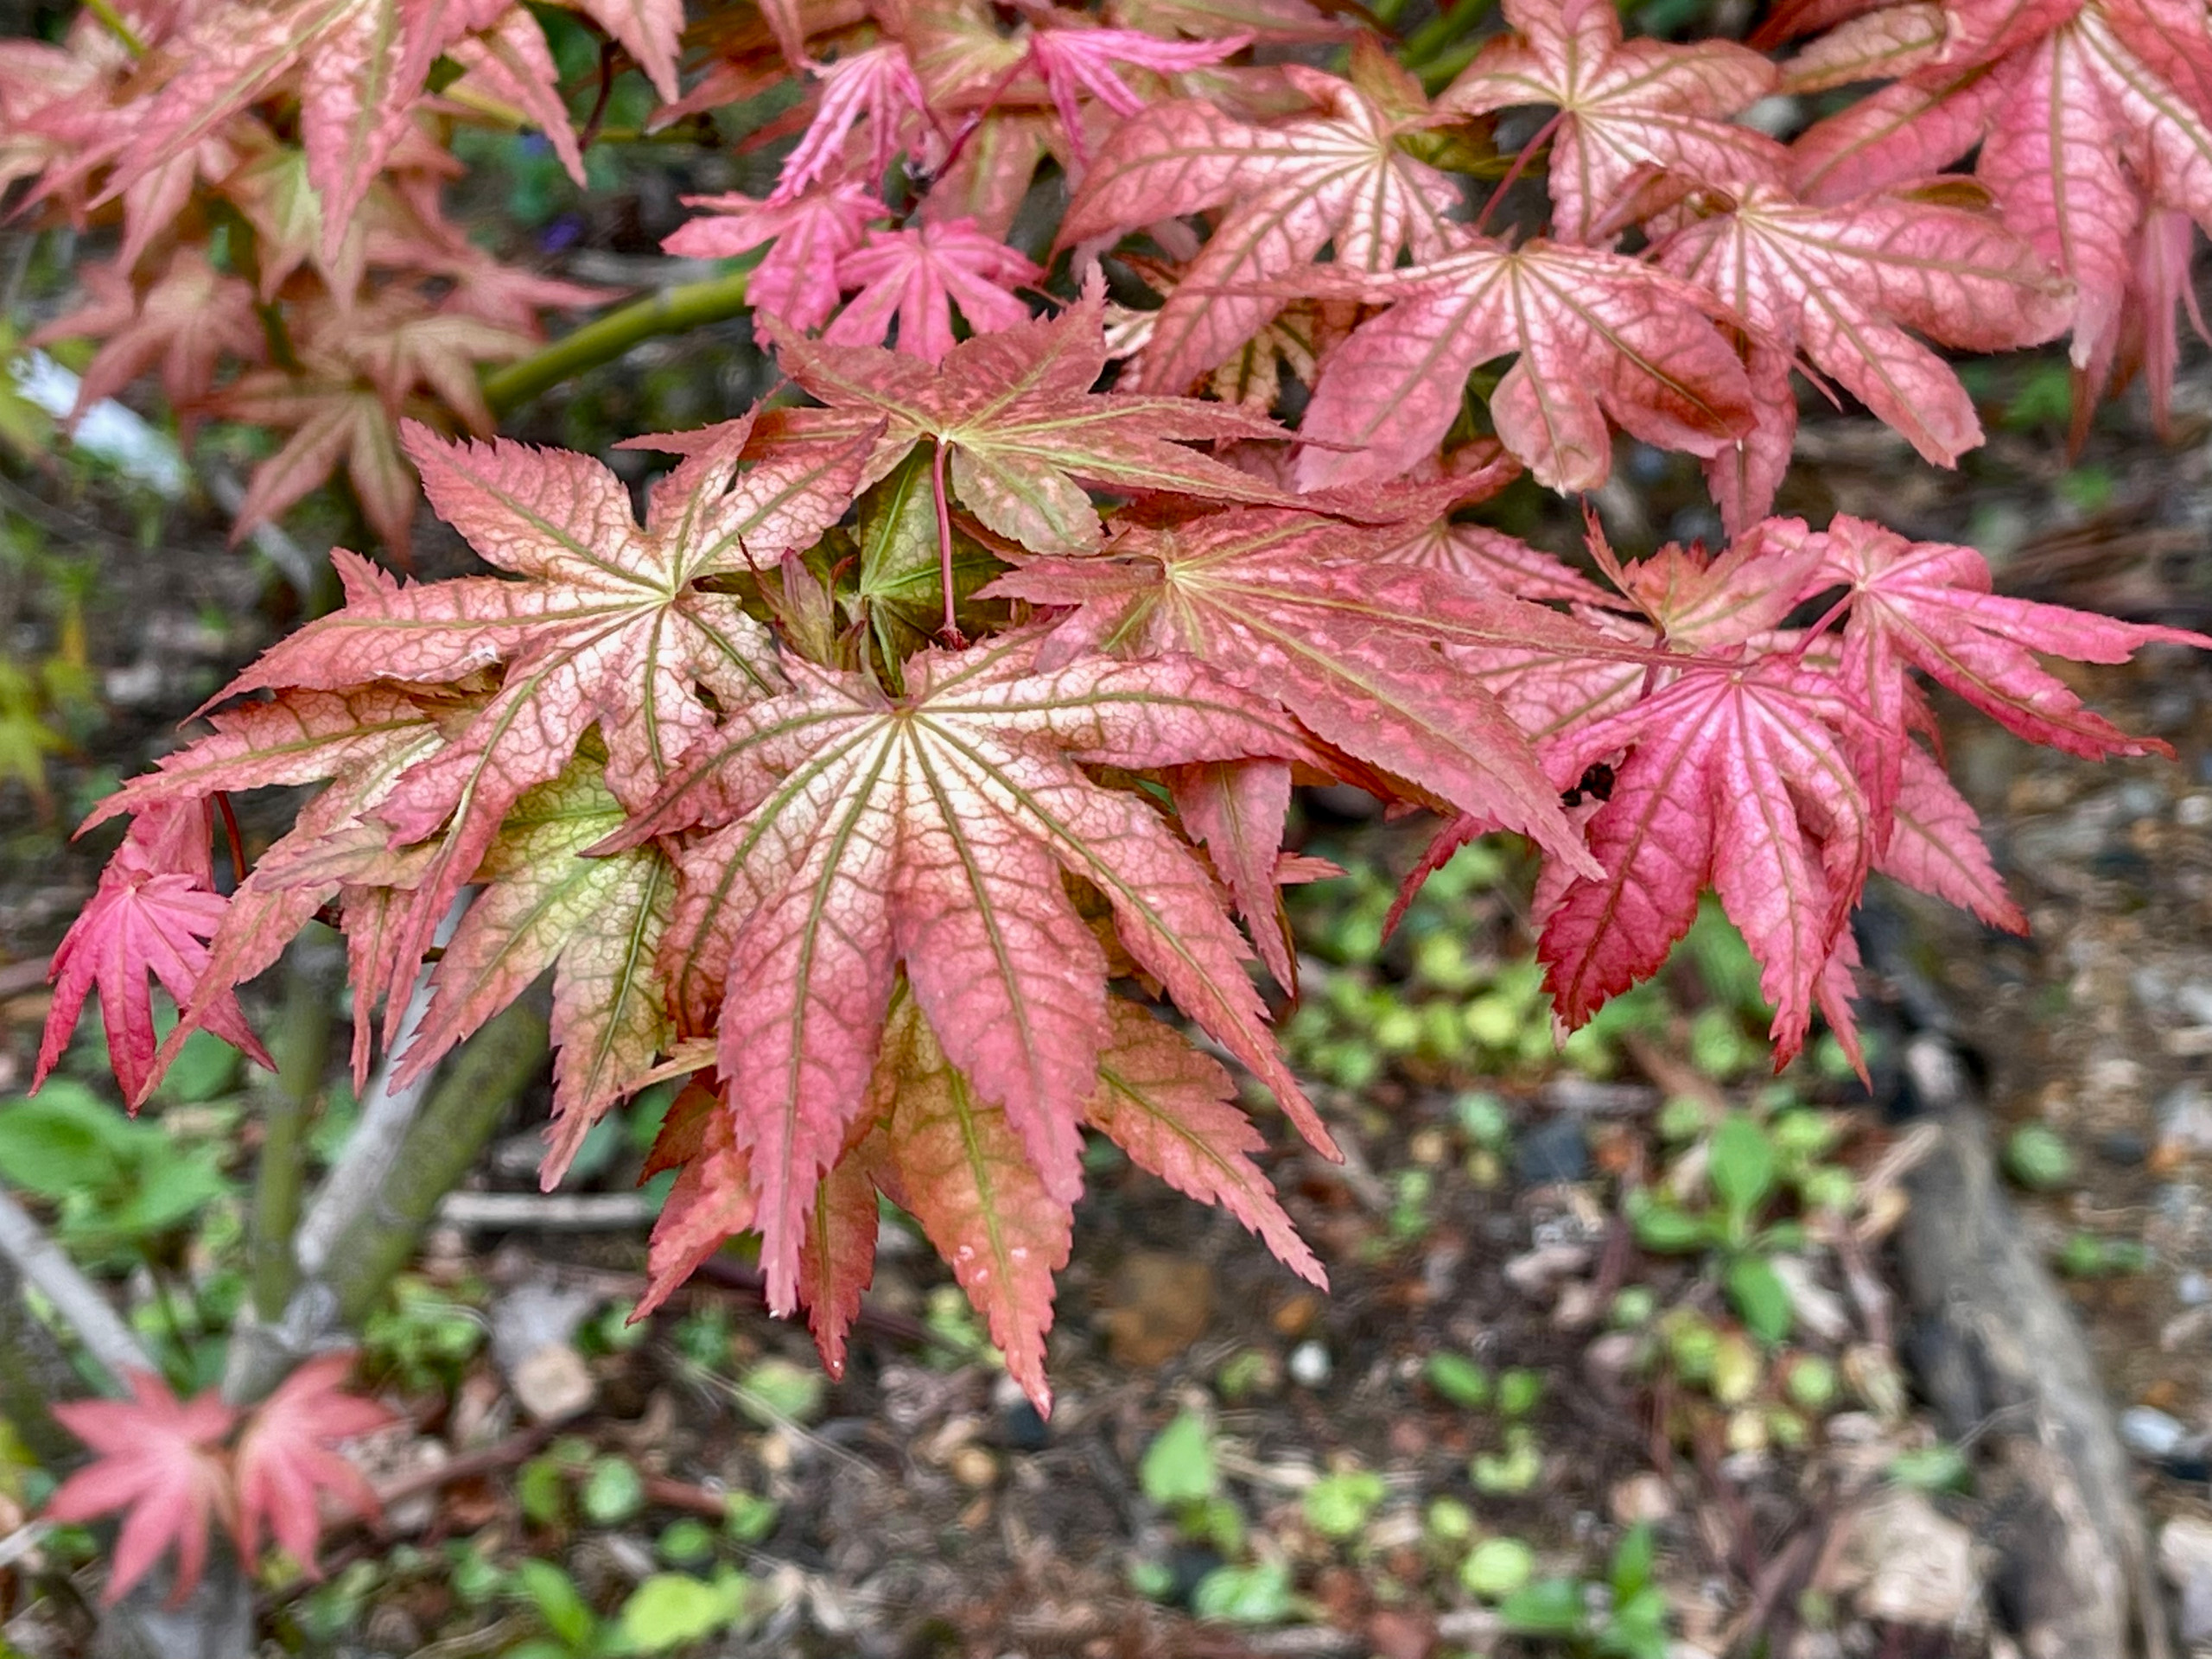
x: 498, y: 1064
x: 1449, y: 24
x: 668, y: 311
x: 311, y: 972
x: 107, y: 14
x: 1442, y: 69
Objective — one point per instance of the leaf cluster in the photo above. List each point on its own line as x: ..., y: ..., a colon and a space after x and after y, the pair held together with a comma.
x: 912, y: 774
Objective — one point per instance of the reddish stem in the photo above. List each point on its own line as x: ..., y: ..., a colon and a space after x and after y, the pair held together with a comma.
x: 231, y: 833
x: 952, y: 634
x: 1520, y: 164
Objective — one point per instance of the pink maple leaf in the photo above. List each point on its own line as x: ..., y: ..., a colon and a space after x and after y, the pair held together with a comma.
x: 2090, y: 116
x: 153, y: 913
x: 1073, y: 62
x: 285, y: 1463
x: 1842, y: 285
x: 1629, y: 110
x: 160, y: 1463
x: 186, y: 322
x: 1737, y: 776
x: 918, y: 274
x: 1928, y: 605
x: 811, y: 233
x: 879, y: 84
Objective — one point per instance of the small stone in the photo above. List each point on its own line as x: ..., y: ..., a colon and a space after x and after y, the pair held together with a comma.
x: 2185, y: 1119
x: 1294, y: 1315
x: 2122, y: 1147
x: 1158, y: 1305
x: 1904, y: 1563
x: 1552, y: 1152
x: 2193, y: 1288
x: 552, y: 1384
x: 1535, y: 1272
x: 1023, y: 1429
x: 2194, y: 811
x: 2149, y: 1432
x: 2185, y: 1558
x: 974, y: 1467
x: 1310, y: 1365
x: 1644, y: 1498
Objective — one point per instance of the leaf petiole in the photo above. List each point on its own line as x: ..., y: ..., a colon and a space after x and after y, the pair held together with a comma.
x: 952, y: 634
x: 117, y: 25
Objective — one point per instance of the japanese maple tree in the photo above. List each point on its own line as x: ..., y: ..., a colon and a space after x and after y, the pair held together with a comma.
x: 912, y: 775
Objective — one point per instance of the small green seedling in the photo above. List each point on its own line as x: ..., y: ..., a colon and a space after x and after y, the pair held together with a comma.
x: 1338, y: 1506
x: 2038, y: 1158
x: 1625, y: 1617
x: 1459, y: 1380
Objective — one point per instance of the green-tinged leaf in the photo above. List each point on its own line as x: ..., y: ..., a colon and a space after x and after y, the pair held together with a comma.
x: 65, y: 1141
x: 554, y: 1597
x: 1259, y: 1594
x: 957, y: 1164
x: 1548, y: 1607
x: 673, y: 1610
x: 899, y: 588
x: 1021, y: 428
x: 1339, y: 1505
x: 596, y: 922
x: 1741, y: 1165
x: 1179, y: 1466
x: 1758, y: 1295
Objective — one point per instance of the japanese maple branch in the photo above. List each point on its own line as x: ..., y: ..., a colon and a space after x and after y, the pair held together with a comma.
x: 314, y: 969
x: 46, y: 1269
x: 495, y: 1066
x: 668, y: 311
x: 440, y: 1144
x: 386, y: 1115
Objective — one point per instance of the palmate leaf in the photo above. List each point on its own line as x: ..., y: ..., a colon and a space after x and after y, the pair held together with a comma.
x: 1305, y: 609
x: 796, y: 279
x: 152, y: 914
x: 1595, y: 335
x: 932, y: 830
x: 917, y: 276
x: 1737, y: 776
x: 1014, y: 414
x: 927, y: 1139
x: 362, y: 740
x: 160, y: 1462
x: 287, y: 1469
x: 360, y: 367
x: 597, y: 922
x: 607, y: 627
x: 2087, y: 114
x: 188, y: 320
x: 360, y: 67
x: 1842, y: 285
x: 1627, y: 109
x: 956, y: 1162
x: 1338, y: 179
x: 1928, y: 606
